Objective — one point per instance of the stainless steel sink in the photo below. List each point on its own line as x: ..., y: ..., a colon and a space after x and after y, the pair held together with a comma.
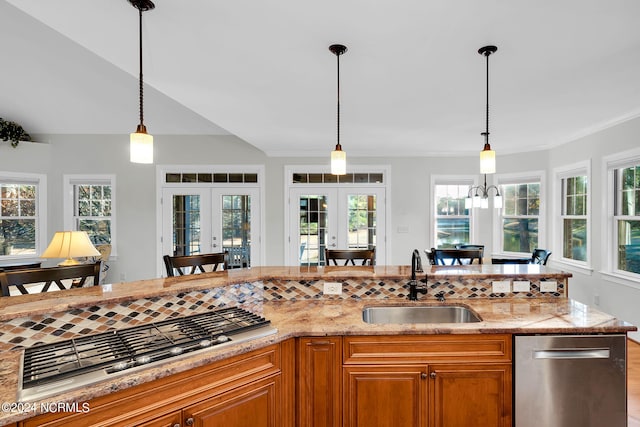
x: 419, y: 314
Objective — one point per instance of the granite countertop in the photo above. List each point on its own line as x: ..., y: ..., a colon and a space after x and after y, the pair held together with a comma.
x: 344, y: 317
x: 57, y: 302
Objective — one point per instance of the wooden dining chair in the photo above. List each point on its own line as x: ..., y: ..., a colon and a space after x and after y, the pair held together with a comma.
x: 39, y: 280
x: 457, y: 256
x: 540, y: 256
x: 368, y: 256
x: 194, y: 264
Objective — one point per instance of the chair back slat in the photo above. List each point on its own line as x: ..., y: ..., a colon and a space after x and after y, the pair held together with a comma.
x: 17, y: 279
x: 197, y: 263
x: 349, y: 256
x: 540, y: 256
x: 457, y: 256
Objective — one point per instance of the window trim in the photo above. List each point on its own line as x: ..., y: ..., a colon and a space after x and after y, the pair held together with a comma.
x: 520, y: 178
x: 69, y: 180
x: 609, y: 165
x: 470, y: 180
x: 557, y: 244
x: 40, y: 180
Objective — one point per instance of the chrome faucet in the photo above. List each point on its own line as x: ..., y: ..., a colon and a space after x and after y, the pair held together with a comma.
x: 416, y: 267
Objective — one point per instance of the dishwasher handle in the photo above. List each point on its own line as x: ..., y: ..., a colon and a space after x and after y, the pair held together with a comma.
x: 572, y: 353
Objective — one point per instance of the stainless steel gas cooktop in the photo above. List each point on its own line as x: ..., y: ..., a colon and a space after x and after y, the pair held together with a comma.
x: 54, y: 368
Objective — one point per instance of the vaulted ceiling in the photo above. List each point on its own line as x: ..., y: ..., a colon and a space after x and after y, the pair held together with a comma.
x: 412, y: 82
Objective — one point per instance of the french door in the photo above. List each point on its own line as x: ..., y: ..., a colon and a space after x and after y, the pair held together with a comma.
x: 335, y: 218
x: 206, y: 220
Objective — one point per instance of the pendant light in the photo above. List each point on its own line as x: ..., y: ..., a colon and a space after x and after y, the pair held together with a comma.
x: 338, y: 157
x: 141, y: 143
x: 487, y: 155
x: 478, y: 196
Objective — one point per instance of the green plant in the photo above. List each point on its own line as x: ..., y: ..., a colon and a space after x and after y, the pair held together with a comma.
x: 11, y: 131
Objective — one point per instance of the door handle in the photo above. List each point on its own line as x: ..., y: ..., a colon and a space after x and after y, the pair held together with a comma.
x: 572, y: 353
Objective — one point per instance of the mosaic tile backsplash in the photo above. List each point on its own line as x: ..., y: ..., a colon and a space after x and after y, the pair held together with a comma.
x: 29, y: 331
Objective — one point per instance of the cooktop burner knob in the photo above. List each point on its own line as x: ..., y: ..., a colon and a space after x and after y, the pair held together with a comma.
x: 222, y: 338
x: 205, y: 343
x: 142, y: 360
x: 119, y: 366
x: 176, y: 350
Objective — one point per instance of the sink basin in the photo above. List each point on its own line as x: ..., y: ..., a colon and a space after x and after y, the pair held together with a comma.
x: 419, y: 314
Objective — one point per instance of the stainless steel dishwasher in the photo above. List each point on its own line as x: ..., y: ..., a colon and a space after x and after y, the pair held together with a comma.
x: 570, y: 381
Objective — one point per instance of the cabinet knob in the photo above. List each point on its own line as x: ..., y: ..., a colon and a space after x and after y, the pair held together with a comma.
x: 189, y: 421
x: 176, y: 425
x: 423, y: 375
x: 433, y: 375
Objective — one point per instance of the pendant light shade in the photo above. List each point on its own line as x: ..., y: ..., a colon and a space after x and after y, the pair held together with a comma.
x: 338, y: 157
x: 487, y: 160
x: 140, y: 142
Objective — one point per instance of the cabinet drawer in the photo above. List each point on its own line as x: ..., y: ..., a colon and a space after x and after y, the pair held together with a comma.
x: 426, y: 349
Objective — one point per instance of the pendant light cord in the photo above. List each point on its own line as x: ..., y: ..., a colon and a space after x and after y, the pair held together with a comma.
x: 486, y: 132
x: 141, y: 89
x: 338, y: 97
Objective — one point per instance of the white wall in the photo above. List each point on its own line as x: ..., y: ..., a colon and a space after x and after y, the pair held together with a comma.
x: 410, y: 194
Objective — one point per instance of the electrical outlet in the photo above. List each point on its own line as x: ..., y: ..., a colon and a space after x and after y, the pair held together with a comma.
x: 521, y: 286
x: 332, y: 288
x: 501, y: 286
x: 548, y: 286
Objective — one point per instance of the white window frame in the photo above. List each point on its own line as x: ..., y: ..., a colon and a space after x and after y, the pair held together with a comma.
x: 609, y: 232
x: 40, y: 180
x: 520, y: 178
x: 69, y: 181
x: 469, y: 180
x: 561, y: 173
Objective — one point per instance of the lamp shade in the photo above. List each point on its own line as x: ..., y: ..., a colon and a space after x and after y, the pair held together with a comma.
x: 338, y: 161
x: 68, y: 245
x: 141, y: 147
x: 487, y: 161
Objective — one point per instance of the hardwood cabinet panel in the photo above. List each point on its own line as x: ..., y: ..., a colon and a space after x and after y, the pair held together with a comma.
x: 173, y: 419
x: 253, y: 405
x: 319, y: 382
x: 470, y: 394
x: 385, y: 396
x: 426, y: 348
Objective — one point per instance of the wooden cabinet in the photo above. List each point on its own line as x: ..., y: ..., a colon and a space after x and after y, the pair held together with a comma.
x: 385, y: 396
x: 241, y: 391
x: 435, y: 381
x: 319, y: 402
x: 476, y: 394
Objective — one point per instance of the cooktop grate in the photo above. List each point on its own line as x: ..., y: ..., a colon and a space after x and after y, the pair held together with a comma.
x: 117, y: 351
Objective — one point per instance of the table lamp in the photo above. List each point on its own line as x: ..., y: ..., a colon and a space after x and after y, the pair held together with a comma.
x: 70, y: 244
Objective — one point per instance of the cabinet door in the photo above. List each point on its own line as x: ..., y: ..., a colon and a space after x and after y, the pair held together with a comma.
x: 319, y: 382
x: 385, y: 396
x: 252, y: 405
x: 470, y: 395
x: 173, y: 419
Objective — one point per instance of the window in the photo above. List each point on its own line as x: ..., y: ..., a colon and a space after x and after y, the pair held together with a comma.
x: 520, y: 222
x: 452, y: 220
x: 22, y: 198
x: 574, y: 215
x: 90, y: 207
x: 626, y: 218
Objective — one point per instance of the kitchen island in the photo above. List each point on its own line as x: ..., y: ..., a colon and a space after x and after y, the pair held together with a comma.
x: 291, y: 298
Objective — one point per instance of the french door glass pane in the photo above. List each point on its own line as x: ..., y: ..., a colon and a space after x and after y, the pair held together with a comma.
x: 236, y: 229
x: 629, y: 245
x: 575, y: 239
x: 186, y: 225
x: 362, y: 221
x: 520, y: 234
x: 313, y: 228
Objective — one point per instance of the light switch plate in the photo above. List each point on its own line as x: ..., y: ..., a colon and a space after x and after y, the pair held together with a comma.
x: 332, y: 288
x: 548, y: 286
x: 521, y: 286
x: 501, y: 286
